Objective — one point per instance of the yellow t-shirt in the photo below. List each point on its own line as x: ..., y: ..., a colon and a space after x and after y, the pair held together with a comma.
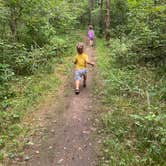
x: 80, y: 60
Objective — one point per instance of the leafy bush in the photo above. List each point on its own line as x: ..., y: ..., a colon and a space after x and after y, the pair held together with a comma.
x: 146, y: 22
x: 5, y: 73
x: 21, y: 61
x: 15, y: 56
x: 140, y: 24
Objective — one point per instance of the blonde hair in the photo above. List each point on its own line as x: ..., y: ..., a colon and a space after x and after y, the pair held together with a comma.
x: 80, y: 48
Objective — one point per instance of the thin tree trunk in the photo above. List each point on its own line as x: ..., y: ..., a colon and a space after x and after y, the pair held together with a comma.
x: 107, y: 33
x: 91, y: 7
x: 3, y: 32
x: 101, y: 18
x: 13, y: 23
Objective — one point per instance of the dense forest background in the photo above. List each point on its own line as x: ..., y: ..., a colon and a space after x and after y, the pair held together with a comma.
x: 36, y: 36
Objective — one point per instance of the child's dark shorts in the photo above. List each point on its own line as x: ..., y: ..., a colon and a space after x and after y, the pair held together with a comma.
x: 80, y: 73
x: 91, y: 38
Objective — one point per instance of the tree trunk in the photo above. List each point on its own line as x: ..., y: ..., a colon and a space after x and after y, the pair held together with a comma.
x: 101, y: 18
x: 91, y: 7
x: 13, y: 23
x: 107, y: 33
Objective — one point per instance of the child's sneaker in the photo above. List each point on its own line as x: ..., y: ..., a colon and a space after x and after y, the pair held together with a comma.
x: 77, y: 91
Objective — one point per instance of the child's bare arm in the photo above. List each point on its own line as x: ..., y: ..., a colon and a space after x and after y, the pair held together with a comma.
x: 90, y: 63
x: 75, y: 61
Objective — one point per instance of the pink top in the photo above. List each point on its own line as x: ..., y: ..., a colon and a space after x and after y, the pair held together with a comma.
x: 91, y: 34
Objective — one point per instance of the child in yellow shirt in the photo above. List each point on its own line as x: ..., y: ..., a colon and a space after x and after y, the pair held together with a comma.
x: 81, y: 61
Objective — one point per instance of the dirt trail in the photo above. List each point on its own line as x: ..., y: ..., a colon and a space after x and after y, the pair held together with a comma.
x: 66, y: 137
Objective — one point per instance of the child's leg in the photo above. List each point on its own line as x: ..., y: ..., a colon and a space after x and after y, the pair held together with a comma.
x: 77, y: 87
x: 84, y: 80
x: 77, y: 84
x: 91, y: 42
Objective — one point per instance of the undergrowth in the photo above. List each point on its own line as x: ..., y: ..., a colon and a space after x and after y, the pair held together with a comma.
x: 134, y: 122
x: 22, y: 94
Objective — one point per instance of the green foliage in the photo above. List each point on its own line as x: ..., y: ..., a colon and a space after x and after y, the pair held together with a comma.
x: 151, y: 133
x: 14, y: 55
x: 143, y: 22
x: 20, y: 92
x: 31, y: 31
x: 134, y: 126
x: 35, y: 36
x: 119, y: 10
x: 145, y: 28
x: 66, y: 14
x: 27, y: 92
x: 5, y: 73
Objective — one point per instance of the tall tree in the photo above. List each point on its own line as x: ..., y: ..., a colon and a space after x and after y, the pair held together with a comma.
x: 107, y: 32
x: 91, y: 7
x: 14, y: 9
x: 101, y: 17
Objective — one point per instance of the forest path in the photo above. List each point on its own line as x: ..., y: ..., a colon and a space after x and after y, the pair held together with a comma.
x: 66, y: 137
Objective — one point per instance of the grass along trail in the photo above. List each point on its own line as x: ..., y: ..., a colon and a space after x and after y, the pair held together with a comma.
x: 66, y: 136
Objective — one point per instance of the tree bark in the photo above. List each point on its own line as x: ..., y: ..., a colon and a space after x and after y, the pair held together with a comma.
x: 13, y: 23
x: 101, y: 18
x: 107, y: 33
x: 91, y: 7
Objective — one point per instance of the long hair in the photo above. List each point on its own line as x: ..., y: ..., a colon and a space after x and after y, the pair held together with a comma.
x: 80, y: 48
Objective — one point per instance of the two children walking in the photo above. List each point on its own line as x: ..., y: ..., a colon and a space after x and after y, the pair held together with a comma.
x: 81, y: 60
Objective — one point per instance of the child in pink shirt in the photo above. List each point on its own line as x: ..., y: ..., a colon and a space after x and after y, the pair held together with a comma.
x: 91, y: 35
